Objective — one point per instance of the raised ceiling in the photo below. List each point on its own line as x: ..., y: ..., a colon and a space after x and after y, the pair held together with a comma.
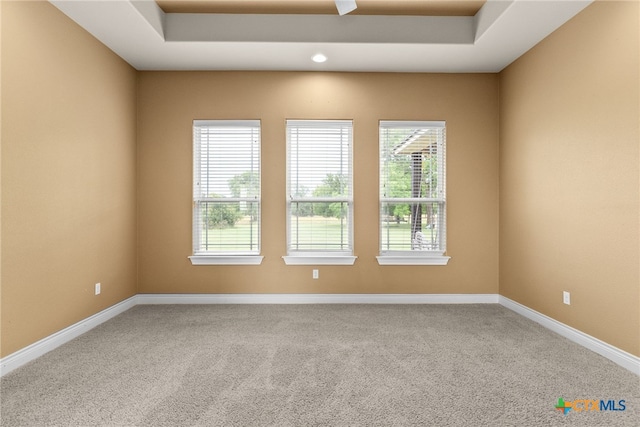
x: 327, y: 7
x: 451, y: 38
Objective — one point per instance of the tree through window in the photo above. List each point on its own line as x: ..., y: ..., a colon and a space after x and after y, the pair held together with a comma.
x: 412, y: 187
x: 319, y: 187
x: 226, y: 187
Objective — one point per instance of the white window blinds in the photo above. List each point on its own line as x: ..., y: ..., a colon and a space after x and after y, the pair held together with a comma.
x: 226, y: 187
x: 412, y: 187
x: 319, y: 186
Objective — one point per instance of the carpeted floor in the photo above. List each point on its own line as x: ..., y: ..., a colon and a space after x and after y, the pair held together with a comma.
x: 317, y: 365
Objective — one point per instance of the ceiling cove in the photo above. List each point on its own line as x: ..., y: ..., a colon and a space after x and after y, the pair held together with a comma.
x: 416, y: 36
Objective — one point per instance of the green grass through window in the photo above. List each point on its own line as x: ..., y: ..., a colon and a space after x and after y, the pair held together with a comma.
x: 324, y: 233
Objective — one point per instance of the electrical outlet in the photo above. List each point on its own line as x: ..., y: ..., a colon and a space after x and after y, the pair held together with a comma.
x: 316, y: 274
x: 566, y: 297
x: 97, y: 288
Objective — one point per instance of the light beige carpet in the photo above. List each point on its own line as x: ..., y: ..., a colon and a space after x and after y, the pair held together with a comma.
x: 317, y: 365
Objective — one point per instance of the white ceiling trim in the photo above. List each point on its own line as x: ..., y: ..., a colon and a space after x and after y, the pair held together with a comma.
x: 150, y: 39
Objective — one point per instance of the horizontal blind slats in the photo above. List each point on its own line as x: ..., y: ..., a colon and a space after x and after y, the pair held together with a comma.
x: 226, y: 186
x: 412, y: 186
x: 319, y: 184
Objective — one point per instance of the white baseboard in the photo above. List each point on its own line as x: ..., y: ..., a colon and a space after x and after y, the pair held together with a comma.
x: 45, y: 345
x: 616, y: 355
x: 317, y: 299
x: 27, y: 354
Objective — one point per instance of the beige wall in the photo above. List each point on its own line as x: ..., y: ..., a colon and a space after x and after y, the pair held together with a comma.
x: 566, y: 115
x: 68, y: 174
x: 169, y: 101
x: 569, y: 169
x: 1, y: 180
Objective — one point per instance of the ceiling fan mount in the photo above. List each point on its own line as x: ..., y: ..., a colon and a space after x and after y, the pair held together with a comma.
x: 345, y: 6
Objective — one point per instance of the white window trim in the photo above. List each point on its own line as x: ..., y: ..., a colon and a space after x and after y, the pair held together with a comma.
x: 319, y: 257
x: 417, y: 259
x: 413, y: 257
x: 324, y: 259
x: 226, y: 259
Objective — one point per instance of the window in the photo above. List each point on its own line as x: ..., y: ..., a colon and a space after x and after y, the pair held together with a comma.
x: 412, y: 193
x: 319, y: 192
x: 226, y: 192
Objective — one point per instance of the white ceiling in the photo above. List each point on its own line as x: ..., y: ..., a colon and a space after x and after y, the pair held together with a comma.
x: 150, y: 39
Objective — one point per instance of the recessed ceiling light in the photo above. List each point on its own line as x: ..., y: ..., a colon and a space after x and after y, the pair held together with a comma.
x: 318, y: 57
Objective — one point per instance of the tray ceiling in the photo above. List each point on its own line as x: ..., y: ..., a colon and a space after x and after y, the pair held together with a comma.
x: 487, y: 40
x: 365, y: 7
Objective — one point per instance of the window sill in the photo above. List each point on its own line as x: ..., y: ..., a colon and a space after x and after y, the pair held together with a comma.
x: 226, y: 259
x: 413, y: 260
x: 319, y: 259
